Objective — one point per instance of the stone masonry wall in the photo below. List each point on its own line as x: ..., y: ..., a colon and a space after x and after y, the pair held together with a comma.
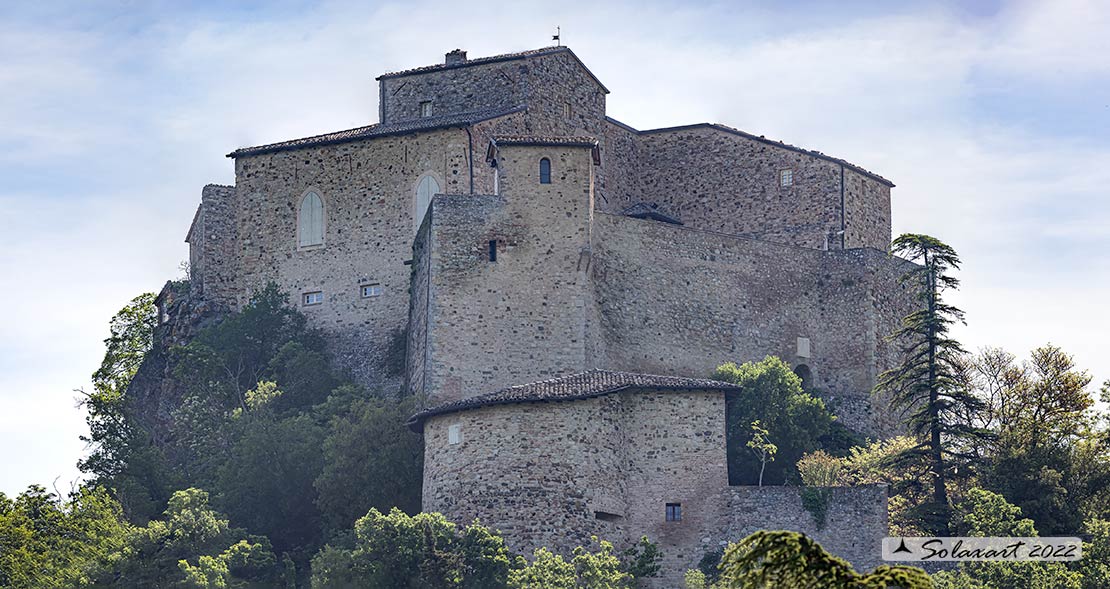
x: 213, y: 238
x: 368, y: 189
x: 720, y: 181
x: 523, y: 317
x: 681, y: 302
x: 545, y: 83
x: 553, y: 474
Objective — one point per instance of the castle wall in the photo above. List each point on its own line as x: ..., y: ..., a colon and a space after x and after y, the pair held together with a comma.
x: 523, y: 317
x: 546, y: 83
x: 681, y: 302
x: 866, y: 212
x: 368, y: 190
x: 724, y: 182
x: 541, y: 472
x: 213, y: 238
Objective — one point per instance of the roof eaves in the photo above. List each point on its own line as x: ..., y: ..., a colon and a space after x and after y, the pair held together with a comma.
x: 365, y: 132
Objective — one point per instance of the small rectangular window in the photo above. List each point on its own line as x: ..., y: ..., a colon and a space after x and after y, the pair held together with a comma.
x: 454, y: 434
x: 566, y: 110
x: 674, y: 512
x: 371, y: 290
x: 493, y: 250
x: 786, y: 177
x: 426, y: 108
x: 313, y: 298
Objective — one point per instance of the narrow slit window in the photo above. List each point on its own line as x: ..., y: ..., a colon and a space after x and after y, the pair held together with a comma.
x: 454, y: 434
x: 545, y: 171
x: 786, y: 177
x: 493, y: 250
x: 426, y: 108
x: 674, y: 512
x: 371, y: 290
x: 566, y: 110
x: 313, y: 298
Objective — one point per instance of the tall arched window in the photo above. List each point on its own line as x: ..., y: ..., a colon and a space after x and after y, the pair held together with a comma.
x: 545, y: 171
x: 310, y: 221
x: 427, y: 188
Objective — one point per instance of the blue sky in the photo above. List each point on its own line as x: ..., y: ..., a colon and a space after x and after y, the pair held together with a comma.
x: 993, y: 119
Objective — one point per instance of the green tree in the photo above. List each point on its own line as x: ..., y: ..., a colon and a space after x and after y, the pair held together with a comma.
x: 1046, y: 455
x: 370, y: 431
x: 983, y: 513
x: 121, y: 455
x: 763, y: 449
x: 790, y: 559
x: 46, y: 542
x: 772, y: 394
x: 159, y: 554
x: 425, y: 550
x: 927, y: 383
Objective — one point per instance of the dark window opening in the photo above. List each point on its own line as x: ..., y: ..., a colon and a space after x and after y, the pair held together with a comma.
x: 606, y: 517
x: 806, y: 375
x: 545, y: 171
x: 493, y: 250
x: 674, y: 512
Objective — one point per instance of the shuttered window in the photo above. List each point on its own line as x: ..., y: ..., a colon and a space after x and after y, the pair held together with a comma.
x: 427, y: 188
x: 310, y: 222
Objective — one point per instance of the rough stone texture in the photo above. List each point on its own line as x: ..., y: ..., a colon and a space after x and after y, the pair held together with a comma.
x: 523, y: 317
x: 576, y: 286
x: 212, y: 239
x: 543, y: 472
x: 681, y: 301
x: 720, y: 179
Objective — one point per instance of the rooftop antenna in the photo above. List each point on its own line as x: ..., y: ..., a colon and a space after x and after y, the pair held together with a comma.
x: 557, y: 37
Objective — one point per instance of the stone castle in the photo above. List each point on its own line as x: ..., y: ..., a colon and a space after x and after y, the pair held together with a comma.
x: 555, y: 285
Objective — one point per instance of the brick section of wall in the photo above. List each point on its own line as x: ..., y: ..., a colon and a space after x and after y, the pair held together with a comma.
x: 678, y: 301
x: 368, y: 189
x: 213, y: 238
x: 542, y: 472
x: 521, y: 318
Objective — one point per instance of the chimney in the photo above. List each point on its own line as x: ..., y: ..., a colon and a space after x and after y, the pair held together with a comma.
x: 455, y: 57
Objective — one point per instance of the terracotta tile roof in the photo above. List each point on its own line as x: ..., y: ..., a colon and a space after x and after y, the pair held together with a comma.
x: 379, y: 130
x: 583, y: 385
x: 580, y: 141
x: 493, y: 59
x: 760, y: 138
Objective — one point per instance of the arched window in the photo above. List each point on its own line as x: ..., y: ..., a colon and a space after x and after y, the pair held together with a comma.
x: 425, y: 190
x: 806, y: 375
x: 310, y: 221
x: 545, y: 171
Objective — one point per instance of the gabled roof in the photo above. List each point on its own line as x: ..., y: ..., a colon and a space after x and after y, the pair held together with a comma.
x: 380, y: 130
x: 583, y: 385
x: 760, y: 138
x: 643, y: 210
x: 493, y: 59
x: 543, y: 141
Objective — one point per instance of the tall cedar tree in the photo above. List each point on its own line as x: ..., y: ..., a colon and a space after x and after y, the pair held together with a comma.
x: 926, y: 386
